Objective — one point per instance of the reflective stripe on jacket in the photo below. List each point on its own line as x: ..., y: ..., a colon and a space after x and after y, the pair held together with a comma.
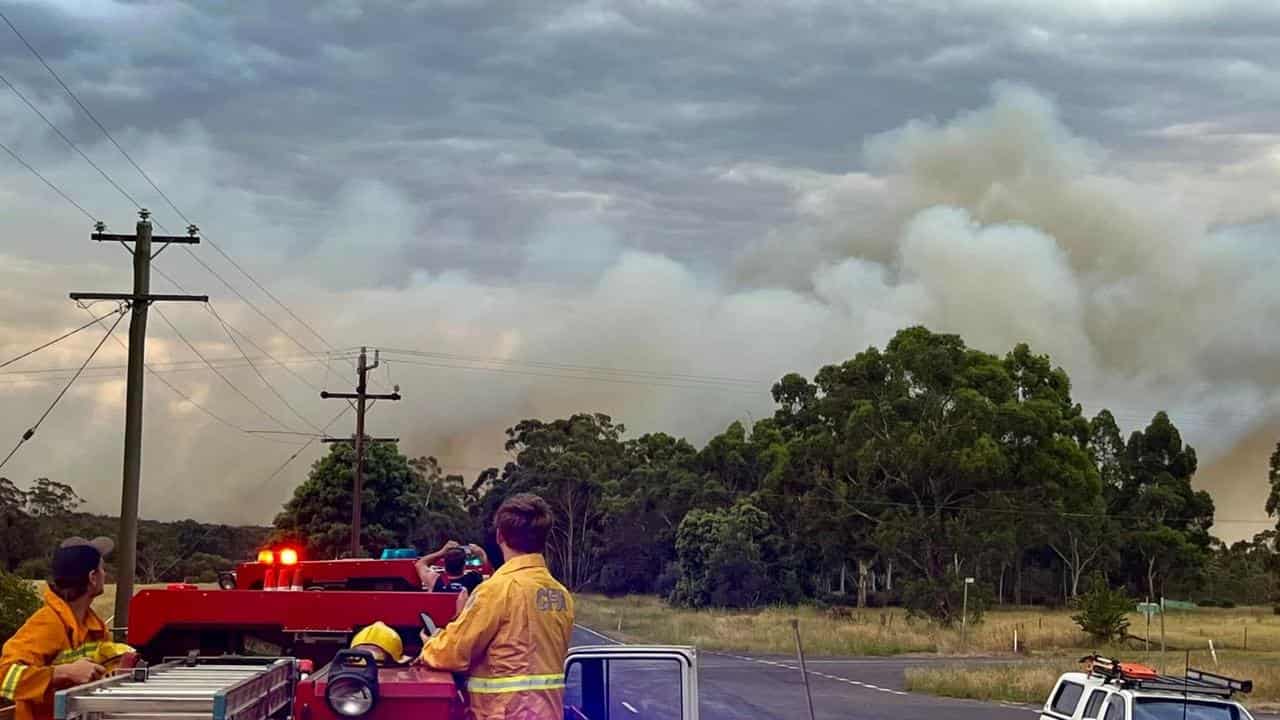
x: 52, y: 636
x: 511, y: 639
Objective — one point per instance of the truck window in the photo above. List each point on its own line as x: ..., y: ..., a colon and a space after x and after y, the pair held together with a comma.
x: 1093, y: 707
x: 1115, y: 708
x: 1172, y: 709
x: 1067, y: 698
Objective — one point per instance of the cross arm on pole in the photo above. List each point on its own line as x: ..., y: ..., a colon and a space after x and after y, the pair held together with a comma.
x: 325, y: 394
x: 367, y: 439
x: 114, y: 237
x: 142, y: 297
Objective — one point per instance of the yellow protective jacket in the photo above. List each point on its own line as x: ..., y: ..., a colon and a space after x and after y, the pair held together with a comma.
x: 511, y: 639
x: 52, y: 636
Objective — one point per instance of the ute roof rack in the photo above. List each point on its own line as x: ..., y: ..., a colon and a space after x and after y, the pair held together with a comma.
x: 1143, y: 677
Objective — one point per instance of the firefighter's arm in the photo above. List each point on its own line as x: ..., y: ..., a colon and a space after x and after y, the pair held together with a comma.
x: 25, y: 674
x: 453, y: 647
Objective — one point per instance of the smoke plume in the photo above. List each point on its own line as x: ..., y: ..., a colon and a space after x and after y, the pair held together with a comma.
x: 999, y: 224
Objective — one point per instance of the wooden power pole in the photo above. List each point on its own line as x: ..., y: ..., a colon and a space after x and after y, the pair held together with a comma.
x: 139, y: 300
x: 361, y: 395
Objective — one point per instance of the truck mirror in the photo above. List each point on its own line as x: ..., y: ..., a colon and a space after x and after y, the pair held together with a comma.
x: 627, y: 682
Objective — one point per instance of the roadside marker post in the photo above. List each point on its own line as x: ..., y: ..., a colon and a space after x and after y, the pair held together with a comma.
x: 964, y: 615
x: 804, y: 670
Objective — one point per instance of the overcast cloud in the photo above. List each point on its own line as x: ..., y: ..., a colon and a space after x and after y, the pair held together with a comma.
x: 694, y: 188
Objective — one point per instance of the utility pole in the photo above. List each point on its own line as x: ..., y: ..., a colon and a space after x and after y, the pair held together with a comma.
x: 360, y: 396
x: 139, y: 301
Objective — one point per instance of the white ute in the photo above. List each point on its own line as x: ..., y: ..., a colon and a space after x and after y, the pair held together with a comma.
x: 1112, y: 690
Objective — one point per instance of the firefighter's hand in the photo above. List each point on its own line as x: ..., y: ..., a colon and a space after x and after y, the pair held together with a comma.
x: 77, y: 673
x: 450, y: 545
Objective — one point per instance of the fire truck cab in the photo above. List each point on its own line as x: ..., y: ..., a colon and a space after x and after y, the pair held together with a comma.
x: 273, y: 642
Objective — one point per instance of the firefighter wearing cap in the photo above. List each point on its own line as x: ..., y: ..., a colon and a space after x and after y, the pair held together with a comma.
x: 512, y: 636
x: 64, y: 643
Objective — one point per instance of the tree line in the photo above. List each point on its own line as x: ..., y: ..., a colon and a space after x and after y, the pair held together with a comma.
x: 35, y: 520
x: 889, y: 478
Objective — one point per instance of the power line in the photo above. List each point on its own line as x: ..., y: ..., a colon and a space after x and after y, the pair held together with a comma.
x: 217, y: 372
x: 209, y: 306
x: 71, y: 143
x: 589, y: 378
x: 70, y: 93
x: 175, y: 365
x: 57, y: 340
x: 150, y: 181
x: 86, y: 110
x: 32, y: 430
x: 256, y: 346
x: 235, y: 291
x: 218, y: 418
x: 302, y: 448
x: 624, y: 372
x: 258, y: 372
x: 13, y: 154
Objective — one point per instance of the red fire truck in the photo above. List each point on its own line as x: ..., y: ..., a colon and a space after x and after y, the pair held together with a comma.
x: 272, y: 642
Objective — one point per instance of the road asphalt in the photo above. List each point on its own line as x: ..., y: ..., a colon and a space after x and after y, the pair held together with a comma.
x: 735, y: 686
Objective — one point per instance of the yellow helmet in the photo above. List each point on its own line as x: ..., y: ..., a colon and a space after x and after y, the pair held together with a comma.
x: 381, y: 636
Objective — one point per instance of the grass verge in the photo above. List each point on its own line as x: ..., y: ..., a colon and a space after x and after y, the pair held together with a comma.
x: 890, y: 632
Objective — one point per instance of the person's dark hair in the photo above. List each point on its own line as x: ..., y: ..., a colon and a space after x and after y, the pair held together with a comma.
x: 524, y: 521
x: 70, y: 588
x: 455, y: 561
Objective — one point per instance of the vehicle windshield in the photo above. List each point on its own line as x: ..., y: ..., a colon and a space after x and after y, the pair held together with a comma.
x: 1173, y: 709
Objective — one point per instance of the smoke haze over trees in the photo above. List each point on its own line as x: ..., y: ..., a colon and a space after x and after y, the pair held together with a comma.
x: 887, y: 478
x: 1001, y: 224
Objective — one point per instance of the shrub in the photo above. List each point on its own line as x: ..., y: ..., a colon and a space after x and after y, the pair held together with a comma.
x: 942, y: 599
x: 18, y: 600
x: 1103, y: 611
x: 36, y: 568
x: 666, y: 582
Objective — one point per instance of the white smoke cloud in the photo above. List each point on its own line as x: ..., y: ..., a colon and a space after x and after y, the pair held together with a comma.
x: 1001, y: 225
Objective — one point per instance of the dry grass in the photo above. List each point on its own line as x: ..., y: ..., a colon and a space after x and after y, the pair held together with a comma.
x: 1022, y: 682
x: 890, y: 632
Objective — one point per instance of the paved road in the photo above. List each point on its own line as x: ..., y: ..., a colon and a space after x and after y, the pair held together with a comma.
x: 738, y: 686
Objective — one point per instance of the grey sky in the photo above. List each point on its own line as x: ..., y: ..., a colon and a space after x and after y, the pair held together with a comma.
x: 488, y: 178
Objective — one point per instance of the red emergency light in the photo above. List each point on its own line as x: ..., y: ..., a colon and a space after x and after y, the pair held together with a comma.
x: 288, y: 556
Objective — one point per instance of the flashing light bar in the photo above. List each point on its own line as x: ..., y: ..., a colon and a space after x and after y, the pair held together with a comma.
x: 288, y: 556
x: 399, y: 554
x: 266, y: 557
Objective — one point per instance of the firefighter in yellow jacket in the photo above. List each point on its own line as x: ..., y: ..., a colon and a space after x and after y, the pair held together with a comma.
x: 513, y: 635
x: 64, y: 643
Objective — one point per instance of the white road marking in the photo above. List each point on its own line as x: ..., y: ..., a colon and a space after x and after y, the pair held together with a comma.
x: 627, y: 705
x: 774, y: 663
x: 602, y: 636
